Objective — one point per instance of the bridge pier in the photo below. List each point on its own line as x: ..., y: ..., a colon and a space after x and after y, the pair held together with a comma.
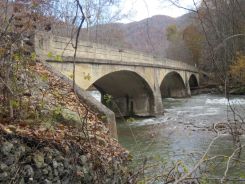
x: 188, y: 89
x: 140, y: 105
x: 158, y: 106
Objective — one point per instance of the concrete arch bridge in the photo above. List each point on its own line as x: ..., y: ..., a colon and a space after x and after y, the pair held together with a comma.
x: 136, y: 82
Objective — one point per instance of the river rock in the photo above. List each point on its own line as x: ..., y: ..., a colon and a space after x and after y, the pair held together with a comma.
x: 60, y: 168
x: 45, y: 112
x: 38, y: 159
x: 28, y: 171
x: 70, y: 117
x: 66, y: 163
x: 55, y: 164
x: 10, y: 160
x: 83, y: 159
x: 48, y: 158
x: 48, y: 165
x: 59, y: 158
x: 6, y: 148
x: 45, y: 171
x: 3, y: 167
x: 3, y: 176
x: 46, y: 181
x: 56, y: 172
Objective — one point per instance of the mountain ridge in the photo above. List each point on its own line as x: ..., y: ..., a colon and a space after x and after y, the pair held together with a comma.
x: 147, y: 35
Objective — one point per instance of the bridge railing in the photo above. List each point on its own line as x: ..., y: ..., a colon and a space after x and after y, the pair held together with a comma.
x: 47, y: 45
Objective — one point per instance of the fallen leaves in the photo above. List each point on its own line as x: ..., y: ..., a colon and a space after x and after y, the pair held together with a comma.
x: 92, y: 138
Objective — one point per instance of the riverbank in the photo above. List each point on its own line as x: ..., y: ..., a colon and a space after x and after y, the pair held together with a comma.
x: 57, y: 138
x: 217, y: 89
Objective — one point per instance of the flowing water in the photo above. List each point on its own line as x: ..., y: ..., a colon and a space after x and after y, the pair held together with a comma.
x: 183, y: 132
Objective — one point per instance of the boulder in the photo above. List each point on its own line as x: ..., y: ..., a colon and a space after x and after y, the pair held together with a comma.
x: 6, y: 148
x: 71, y: 117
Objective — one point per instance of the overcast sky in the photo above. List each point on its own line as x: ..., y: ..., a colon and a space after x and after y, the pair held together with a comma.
x: 142, y: 9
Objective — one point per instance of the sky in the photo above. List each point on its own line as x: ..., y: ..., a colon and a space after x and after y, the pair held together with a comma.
x: 141, y: 9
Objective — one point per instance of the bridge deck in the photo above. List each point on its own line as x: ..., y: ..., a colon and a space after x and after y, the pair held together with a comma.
x: 88, y: 52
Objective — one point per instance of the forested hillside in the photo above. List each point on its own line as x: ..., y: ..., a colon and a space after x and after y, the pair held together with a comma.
x: 148, y: 35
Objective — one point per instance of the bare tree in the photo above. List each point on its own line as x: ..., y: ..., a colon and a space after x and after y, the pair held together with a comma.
x: 222, y: 26
x: 19, y: 20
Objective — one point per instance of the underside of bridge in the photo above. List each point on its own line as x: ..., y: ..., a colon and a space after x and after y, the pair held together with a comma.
x: 126, y: 93
x: 173, y: 86
x: 193, y: 83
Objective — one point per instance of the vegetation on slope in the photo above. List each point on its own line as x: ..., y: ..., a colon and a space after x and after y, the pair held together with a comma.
x: 59, y: 139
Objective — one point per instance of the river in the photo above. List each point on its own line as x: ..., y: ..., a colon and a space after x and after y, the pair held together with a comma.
x: 182, y: 133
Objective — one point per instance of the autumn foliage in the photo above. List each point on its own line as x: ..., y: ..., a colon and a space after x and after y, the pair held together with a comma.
x: 193, y: 39
x: 237, y: 69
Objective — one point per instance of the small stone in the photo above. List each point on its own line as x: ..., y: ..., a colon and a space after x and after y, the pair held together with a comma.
x: 56, y: 172
x: 55, y: 164
x: 83, y: 159
x: 79, y: 168
x: 50, y: 175
x: 45, y: 171
x: 38, y: 160
x: 66, y: 163
x: 19, y: 151
x: 90, y: 165
x: 3, y: 176
x: 71, y: 117
x: 22, y: 181
x: 80, y: 174
x: 10, y: 160
x: 61, y: 168
x: 48, y: 159
x: 6, y: 148
x: 28, y: 171
x: 57, y: 180
x: 65, y: 180
x: 28, y: 159
x: 59, y: 158
x: 85, y: 171
x: 3, y: 166
x: 45, y: 112
x: 46, y: 181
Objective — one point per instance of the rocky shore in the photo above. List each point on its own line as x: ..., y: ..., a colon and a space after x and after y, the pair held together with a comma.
x: 58, y: 139
x: 28, y: 161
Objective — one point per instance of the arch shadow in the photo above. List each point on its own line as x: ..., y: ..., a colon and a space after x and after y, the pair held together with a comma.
x: 173, y: 86
x: 126, y: 93
x: 193, y: 83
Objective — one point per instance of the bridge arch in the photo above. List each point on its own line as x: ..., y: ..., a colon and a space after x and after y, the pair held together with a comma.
x: 173, y: 86
x: 126, y: 93
x: 193, y: 82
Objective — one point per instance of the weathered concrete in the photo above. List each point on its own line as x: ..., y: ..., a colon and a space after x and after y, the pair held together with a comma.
x: 137, y: 82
